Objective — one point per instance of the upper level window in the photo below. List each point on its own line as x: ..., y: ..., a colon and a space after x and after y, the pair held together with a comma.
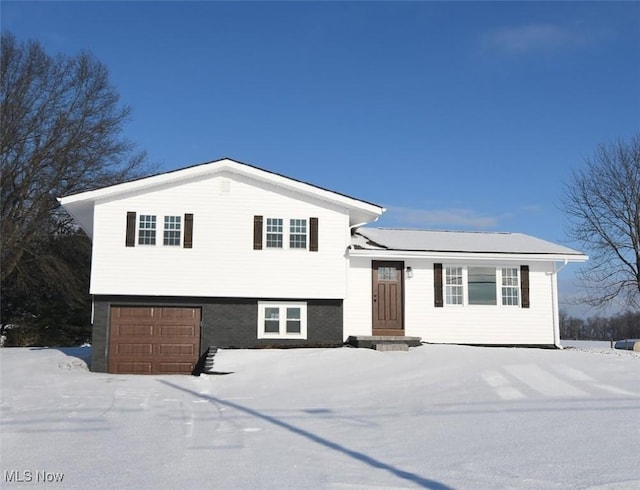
x: 147, y: 230
x: 274, y: 232
x: 454, y: 289
x: 298, y: 233
x: 172, y: 227
x: 510, y: 286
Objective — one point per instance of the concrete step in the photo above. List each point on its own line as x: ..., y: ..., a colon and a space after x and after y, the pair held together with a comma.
x: 370, y: 341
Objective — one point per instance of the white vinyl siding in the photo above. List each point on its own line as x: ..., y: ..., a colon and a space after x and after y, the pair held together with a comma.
x: 222, y: 261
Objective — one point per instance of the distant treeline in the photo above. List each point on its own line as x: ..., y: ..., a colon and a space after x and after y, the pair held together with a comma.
x: 623, y: 326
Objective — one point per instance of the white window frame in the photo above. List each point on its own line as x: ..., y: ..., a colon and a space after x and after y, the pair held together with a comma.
x: 282, y: 331
x: 271, y: 228
x: 296, y: 224
x: 140, y: 229
x: 499, y: 286
x: 449, y: 287
x: 503, y: 286
x: 175, y: 226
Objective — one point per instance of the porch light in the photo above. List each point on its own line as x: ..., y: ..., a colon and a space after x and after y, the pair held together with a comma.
x: 409, y: 272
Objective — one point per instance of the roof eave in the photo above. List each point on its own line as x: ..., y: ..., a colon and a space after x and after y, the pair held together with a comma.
x: 469, y: 255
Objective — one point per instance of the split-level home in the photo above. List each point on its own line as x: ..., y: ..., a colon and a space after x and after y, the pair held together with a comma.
x: 226, y: 254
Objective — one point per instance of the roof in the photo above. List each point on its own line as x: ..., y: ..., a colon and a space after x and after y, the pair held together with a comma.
x: 458, y: 242
x: 81, y: 205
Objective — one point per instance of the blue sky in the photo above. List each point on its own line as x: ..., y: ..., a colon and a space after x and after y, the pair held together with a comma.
x: 452, y: 115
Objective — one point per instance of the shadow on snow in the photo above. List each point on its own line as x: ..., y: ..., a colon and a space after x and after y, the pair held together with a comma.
x: 374, y: 463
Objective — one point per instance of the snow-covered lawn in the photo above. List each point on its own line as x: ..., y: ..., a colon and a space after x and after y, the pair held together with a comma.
x: 437, y: 417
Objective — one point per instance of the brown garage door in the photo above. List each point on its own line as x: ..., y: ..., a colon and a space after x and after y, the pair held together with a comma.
x: 153, y: 340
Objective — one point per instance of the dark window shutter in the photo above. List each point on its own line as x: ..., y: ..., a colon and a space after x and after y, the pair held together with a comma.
x: 313, y: 234
x: 130, y: 239
x: 188, y: 231
x: 257, y: 232
x: 524, y: 285
x: 438, y: 300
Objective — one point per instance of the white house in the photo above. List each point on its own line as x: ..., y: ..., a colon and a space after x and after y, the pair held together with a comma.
x: 226, y: 254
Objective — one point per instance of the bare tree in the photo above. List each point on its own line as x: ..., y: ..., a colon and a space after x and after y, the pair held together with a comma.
x: 603, y: 206
x: 61, y: 127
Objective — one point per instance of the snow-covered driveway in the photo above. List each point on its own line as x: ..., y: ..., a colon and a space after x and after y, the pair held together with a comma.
x: 434, y: 417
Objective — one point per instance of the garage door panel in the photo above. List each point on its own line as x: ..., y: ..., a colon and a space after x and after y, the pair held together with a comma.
x: 133, y: 367
x: 134, y: 349
x: 145, y: 340
x: 176, y: 349
x: 176, y: 330
x: 186, y: 313
x: 132, y: 312
x: 172, y: 367
x: 134, y: 330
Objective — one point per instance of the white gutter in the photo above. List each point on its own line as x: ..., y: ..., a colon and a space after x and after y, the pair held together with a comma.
x: 468, y: 256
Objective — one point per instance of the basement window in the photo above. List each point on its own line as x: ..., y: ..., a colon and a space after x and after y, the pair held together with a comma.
x: 282, y: 320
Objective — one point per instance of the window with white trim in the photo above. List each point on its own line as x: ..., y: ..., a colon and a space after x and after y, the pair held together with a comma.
x: 454, y: 290
x: 298, y: 233
x: 481, y: 285
x: 282, y: 320
x: 147, y: 230
x: 510, y: 286
x: 274, y: 233
x: 172, y: 228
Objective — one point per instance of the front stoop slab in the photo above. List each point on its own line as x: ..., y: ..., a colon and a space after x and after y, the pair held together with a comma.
x: 387, y: 342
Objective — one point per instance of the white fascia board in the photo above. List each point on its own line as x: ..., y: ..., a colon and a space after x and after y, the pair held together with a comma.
x: 365, y: 211
x: 467, y: 256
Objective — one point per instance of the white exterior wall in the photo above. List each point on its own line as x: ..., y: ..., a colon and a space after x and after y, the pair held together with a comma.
x: 468, y: 324
x: 222, y: 261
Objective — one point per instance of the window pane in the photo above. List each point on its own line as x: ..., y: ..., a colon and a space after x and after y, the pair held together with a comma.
x: 293, y: 326
x: 482, y: 285
x: 272, y: 326
x: 293, y: 313
x: 272, y: 320
x: 387, y: 274
x: 272, y: 313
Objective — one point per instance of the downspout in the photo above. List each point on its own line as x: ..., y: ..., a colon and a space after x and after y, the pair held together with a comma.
x: 554, y: 302
x: 346, y: 303
x: 352, y: 227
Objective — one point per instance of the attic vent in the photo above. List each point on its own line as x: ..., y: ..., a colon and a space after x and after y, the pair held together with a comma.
x: 225, y: 187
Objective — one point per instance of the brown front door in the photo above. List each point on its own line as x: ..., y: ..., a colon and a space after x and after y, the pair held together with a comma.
x: 387, y: 297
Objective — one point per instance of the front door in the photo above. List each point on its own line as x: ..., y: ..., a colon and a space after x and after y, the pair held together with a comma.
x: 387, y: 297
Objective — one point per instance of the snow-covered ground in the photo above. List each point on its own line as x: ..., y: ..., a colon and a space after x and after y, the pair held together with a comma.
x: 436, y: 417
